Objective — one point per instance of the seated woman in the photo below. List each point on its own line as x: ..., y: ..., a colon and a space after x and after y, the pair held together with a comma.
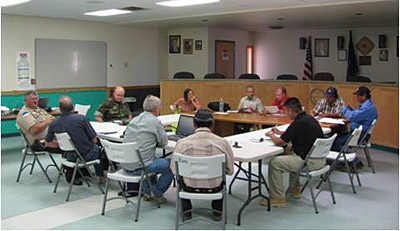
x: 189, y: 102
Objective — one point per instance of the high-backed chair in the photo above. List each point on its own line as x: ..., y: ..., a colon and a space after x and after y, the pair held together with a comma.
x: 319, y: 150
x: 183, y: 75
x: 347, y: 158
x: 249, y: 76
x: 214, y: 76
x: 66, y: 144
x: 82, y: 109
x: 200, y: 168
x: 359, y: 79
x: 125, y: 153
x: 28, y: 151
x: 365, y: 144
x: 323, y: 76
x: 287, y: 77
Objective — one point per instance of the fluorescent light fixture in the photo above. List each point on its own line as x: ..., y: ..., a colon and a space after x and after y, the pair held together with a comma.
x: 4, y: 3
x: 109, y: 12
x: 178, y: 3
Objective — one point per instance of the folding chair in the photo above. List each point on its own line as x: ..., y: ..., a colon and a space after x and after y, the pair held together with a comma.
x: 27, y: 151
x: 200, y: 168
x: 365, y: 144
x: 82, y: 109
x: 66, y: 144
x: 319, y: 150
x: 346, y: 158
x: 126, y: 153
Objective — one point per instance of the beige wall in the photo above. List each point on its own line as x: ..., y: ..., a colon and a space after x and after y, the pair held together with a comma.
x: 197, y: 62
x: 137, y: 47
x: 277, y: 52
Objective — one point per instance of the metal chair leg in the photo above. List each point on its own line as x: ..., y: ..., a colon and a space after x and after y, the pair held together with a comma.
x: 105, y: 197
x: 54, y: 162
x: 91, y: 175
x: 44, y: 171
x: 312, y: 196
x: 72, y: 182
x: 370, y: 163
x: 139, y: 198
x: 349, y: 174
x: 356, y: 173
x: 21, y: 167
x: 33, y: 164
x: 234, y: 178
x: 58, y: 178
x: 330, y: 189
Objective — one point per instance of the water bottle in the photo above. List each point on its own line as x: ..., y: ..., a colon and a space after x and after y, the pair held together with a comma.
x: 221, y: 105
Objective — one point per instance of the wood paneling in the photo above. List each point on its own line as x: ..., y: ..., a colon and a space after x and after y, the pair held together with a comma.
x: 57, y: 90
x: 384, y: 96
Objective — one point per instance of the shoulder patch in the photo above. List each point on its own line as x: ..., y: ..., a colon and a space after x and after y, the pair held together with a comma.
x: 25, y: 114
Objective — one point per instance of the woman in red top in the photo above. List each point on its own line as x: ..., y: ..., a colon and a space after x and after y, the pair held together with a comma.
x: 189, y: 102
x: 280, y: 98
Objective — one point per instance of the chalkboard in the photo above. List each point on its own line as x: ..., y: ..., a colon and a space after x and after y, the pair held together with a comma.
x: 70, y: 63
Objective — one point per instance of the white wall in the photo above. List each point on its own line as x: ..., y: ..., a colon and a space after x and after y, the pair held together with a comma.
x: 137, y: 47
x: 197, y: 62
x: 241, y: 39
x: 277, y: 52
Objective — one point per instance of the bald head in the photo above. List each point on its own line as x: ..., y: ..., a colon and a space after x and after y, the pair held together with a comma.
x: 118, y: 94
x: 65, y: 104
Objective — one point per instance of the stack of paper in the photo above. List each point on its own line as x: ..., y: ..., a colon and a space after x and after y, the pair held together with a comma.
x: 331, y: 121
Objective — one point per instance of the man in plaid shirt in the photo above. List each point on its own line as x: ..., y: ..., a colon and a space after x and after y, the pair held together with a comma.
x: 329, y: 106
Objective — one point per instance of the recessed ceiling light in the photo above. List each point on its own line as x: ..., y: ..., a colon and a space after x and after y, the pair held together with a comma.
x: 359, y: 14
x: 109, y: 12
x: 179, y: 3
x: 4, y: 3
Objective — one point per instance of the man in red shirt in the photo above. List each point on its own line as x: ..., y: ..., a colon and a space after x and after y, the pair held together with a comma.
x: 280, y: 98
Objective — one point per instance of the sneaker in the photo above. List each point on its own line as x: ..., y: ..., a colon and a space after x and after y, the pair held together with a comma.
x: 101, y: 179
x: 129, y: 194
x: 278, y: 203
x: 160, y: 200
x: 296, y: 192
x: 78, y: 182
x: 217, y: 216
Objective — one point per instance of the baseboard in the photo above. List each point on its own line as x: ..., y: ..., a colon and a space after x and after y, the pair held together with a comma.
x: 385, y: 148
x: 10, y: 135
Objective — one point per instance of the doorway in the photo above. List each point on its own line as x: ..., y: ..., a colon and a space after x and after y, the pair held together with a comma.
x: 225, y: 58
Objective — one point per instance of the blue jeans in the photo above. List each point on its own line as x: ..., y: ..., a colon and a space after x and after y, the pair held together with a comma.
x: 157, y: 166
x: 342, y: 139
x: 92, y: 155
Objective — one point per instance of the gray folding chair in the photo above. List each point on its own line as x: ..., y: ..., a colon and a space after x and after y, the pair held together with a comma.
x: 365, y: 144
x: 66, y: 144
x: 27, y: 151
x: 319, y: 150
x: 345, y: 157
x: 200, y: 168
x: 125, y: 153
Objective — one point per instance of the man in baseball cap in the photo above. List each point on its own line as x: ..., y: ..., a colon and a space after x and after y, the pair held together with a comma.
x: 329, y: 106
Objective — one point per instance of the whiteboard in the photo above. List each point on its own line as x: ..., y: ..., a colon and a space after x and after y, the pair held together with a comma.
x: 70, y: 63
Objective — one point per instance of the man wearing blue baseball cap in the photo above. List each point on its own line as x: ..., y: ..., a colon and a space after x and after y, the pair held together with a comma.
x: 329, y: 106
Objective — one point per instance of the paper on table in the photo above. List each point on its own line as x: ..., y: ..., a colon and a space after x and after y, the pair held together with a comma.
x: 233, y: 111
x: 331, y: 121
x: 221, y: 113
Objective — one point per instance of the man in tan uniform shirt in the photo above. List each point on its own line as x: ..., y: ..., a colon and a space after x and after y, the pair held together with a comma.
x: 32, y: 120
x: 204, y: 143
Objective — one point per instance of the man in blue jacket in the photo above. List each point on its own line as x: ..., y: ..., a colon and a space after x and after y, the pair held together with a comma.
x: 364, y: 115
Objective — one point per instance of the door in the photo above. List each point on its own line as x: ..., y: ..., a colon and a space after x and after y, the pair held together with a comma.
x: 225, y: 58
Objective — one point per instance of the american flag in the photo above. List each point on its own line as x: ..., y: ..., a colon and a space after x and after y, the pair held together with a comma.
x: 308, y: 67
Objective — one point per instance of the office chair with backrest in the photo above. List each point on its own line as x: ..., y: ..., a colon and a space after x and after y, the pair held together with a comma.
x: 66, y: 144
x: 287, y: 77
x: 214, y: 76
x: 200, y: 168
x: 82, y: 109
x: 122, y: 153
x: 319, y: 150
x: 345, y: 157
x: 249, y: 76
x: 365, y: 144
x: 184, y: 75
x: 28, y: 151
x: 324, y: 76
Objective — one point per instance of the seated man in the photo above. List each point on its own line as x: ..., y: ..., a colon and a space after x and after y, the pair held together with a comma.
x: 189, y: 103
x: 147, y: 131
x: 331, y: 106
x: 114, y: 108
x: 250, y: 102
x: 364, y: 115
x: 82, y: 134
x: 34, y: 122
x: 302, y: 133
x: 280, y: 98
x: 204, y: 143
